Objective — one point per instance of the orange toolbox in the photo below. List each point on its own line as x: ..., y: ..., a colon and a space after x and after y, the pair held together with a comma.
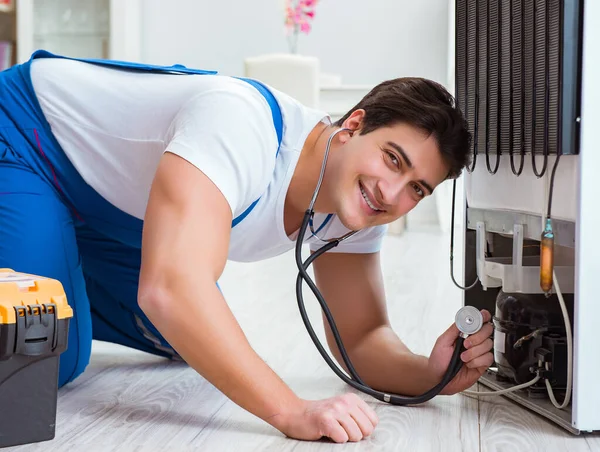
x: 34, y: 325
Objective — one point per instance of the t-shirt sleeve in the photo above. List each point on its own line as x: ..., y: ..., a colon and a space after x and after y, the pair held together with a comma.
x: 367, y: 240
x: 228, y: 134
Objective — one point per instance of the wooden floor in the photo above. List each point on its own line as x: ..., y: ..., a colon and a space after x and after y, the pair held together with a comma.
x: 130, y: 401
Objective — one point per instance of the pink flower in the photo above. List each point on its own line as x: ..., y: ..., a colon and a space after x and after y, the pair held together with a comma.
x: 298, y: 13
x: 305, y: 27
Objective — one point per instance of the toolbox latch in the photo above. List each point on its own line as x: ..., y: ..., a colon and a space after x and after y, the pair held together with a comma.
x: 37, y: 329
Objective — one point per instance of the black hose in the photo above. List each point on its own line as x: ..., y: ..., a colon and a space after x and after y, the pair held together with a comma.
x: 551, y: 191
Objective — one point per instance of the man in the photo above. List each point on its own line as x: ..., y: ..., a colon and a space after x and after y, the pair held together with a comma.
x: 133, y: 185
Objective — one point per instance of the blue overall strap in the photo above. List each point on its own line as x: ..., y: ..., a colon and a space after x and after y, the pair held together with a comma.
x: 277, y: 122
x: 327, y: 218
x: 180, y: 69
x: 175, y: 69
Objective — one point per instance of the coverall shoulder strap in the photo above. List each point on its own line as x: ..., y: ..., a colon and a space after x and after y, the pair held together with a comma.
x: 277, y: 122
x: 174, y: 69
x: 180, y: 69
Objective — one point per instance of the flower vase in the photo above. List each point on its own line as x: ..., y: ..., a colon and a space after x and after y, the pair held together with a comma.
x: 293, y: 41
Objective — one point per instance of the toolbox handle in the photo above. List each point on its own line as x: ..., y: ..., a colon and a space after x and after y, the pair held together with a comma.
x: 37, y: 328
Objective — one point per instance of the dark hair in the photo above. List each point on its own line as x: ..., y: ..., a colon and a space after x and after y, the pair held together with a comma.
x: 424, y: 104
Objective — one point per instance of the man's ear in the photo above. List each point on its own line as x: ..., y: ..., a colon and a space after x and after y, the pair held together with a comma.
x: 354, y: 121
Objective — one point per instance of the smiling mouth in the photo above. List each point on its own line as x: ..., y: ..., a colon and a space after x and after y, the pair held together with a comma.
x: 367, y: 200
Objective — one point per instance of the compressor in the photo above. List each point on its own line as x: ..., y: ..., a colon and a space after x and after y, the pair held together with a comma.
x: 529, y: 334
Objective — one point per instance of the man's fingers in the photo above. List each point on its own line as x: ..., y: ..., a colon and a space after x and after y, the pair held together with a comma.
x: 350, y: 419
x: 334, y: 430
x: 449, y: 336
x: 483, y: 361
x: 481, y: 336
x: 351, y: 427
x: 487, y: 317
x: 477, y: 351
x: 363, y: 421
x: 369, y: 412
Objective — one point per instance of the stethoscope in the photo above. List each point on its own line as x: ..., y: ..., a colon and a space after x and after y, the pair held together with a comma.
x: 468, y: 319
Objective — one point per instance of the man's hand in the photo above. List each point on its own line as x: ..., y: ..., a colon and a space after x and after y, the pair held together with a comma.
x: 342, y: 418
x: 477, y: 357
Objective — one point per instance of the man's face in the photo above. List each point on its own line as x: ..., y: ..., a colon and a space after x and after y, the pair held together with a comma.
x: 381, y: 176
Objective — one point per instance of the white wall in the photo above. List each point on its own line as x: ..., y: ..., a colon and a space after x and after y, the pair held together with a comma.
x: 364, y: 41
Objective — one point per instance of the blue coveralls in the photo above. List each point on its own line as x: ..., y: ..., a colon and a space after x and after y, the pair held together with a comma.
x: 53, y: 224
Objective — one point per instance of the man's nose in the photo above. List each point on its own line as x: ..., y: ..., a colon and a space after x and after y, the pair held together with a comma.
x: 390, y: 191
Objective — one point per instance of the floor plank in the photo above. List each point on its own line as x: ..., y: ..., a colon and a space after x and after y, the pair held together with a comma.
x: 593, y: 440
x: 507, y: 426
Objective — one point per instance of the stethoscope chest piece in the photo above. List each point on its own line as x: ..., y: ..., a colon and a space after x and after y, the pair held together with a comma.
x: 469, y: 320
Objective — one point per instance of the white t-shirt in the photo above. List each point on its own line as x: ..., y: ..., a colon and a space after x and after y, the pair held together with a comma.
x: 114, y: 126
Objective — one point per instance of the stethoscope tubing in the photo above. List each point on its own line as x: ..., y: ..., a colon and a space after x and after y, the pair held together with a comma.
x: 355, y: 381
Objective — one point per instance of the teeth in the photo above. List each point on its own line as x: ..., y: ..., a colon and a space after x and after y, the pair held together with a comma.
x: 367, y: 200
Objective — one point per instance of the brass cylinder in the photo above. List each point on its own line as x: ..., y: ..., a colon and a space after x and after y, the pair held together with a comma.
x: 546, y: 262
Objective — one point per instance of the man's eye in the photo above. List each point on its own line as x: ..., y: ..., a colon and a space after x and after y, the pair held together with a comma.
x: 418, y: 190
x: 393, y: 158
